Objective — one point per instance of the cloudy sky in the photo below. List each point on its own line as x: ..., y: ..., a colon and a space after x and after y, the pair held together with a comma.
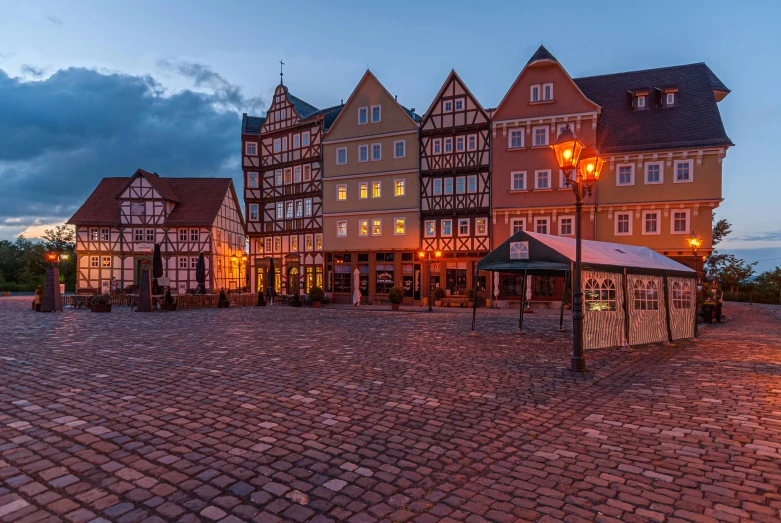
x: 100, y: 88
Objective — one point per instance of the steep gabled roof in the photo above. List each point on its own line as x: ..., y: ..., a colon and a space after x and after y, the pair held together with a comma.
x: 542, y: 54
x: 329, y: 115
x: 694, y: 121
x: 251, y: 124
x: 304, y: 109
x: 452, y: 76
x: 160, y: 185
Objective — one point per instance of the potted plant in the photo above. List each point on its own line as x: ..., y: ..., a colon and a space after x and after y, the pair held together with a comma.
x: 316, y: 295
x: 296, y: 301
x: 101, y: 303
x: 168, y: 301
x: 439, y: 295
x: 223, y: 302
x: 261, y: 299
x: 395, y: 296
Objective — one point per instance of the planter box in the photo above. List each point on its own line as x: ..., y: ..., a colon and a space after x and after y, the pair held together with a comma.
x: 100, y: 307
x: 395, y: 306
x: 6, y: 293
x: 316, y: 304
x: 170, y: 307
x: 223, y: 304
x: 438, y: 303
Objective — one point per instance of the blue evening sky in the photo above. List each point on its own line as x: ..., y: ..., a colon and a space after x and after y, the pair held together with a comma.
x: 229, y: 52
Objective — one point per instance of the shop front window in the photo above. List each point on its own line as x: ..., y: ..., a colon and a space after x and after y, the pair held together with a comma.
x: 407, y: 279
x: 384, y: 277
x: 455, y: 277
x: 342, y: 277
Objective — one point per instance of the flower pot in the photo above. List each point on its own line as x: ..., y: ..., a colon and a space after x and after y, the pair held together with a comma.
x: 100, y: 307
x: 395, y: 306
x: 438, y: 303
x: 423, y: 302
x: 316, y: 304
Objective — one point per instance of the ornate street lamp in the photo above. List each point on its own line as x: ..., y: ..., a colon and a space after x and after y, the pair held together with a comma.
x: 581, y: 166
x: 426, y: 256
x: 236, y: 260
x: 695, y: 242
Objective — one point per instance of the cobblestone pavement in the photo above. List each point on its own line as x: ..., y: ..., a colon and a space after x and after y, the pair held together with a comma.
x: 281, y: 414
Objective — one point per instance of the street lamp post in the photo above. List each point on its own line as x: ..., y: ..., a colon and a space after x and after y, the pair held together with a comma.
x: 426, y: 256
x: 242, y: 259
x: 695, y: 242
x: 586, y: 165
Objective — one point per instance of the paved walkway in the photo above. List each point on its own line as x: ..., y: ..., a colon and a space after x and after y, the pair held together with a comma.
x: 283, y: 414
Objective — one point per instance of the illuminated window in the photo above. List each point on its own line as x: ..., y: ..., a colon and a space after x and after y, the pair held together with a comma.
x: 294, y: 243
x: 363, y: 227
x: 308, y: 242
x: 481, y: 226
x: 105, y: 261
x: 376, y: 189
x: 267, y: 247
x: 363, y: 189
x: 398, y: 186
x: 307, y: 173
x: 277, y: 244
x: 463, y: 227
x: 341, y: 192
x: 431, y: 228
x: 376, y: 227
x: 288, y: 175
x: 600, y: 297
x: 447, y: 227
x: 318, y: 242
x: 399, y: 226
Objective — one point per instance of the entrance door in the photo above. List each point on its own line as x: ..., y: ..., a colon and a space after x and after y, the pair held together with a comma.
x: 260, y: 279
x: 137, y: 271
x: 292, y: 281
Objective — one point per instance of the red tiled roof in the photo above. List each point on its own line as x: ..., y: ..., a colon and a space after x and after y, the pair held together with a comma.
x: 198, y: 200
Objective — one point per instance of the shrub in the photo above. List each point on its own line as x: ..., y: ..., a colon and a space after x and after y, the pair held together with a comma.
x: 395, y: 295
x: 261, y: 298
x: 101, y: 298
x: 223, y: 296
x: 439, y: 293
x: 296, y: 301
x: 316, y: 294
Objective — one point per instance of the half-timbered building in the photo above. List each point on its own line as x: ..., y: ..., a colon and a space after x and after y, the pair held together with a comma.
x: 455, y: 186
x: 283, y: 192
x: 121, y: 221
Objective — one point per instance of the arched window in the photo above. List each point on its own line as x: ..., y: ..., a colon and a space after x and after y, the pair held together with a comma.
x: 682, y: 295
x: 646, y: 295
x: 600, y: 297
x: 608, y: 295
x: 591, y: 295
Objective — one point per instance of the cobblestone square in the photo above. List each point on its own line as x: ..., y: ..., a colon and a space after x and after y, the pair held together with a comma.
x: 272, y: 414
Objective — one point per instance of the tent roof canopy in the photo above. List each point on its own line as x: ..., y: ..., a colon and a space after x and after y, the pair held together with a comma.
x: 543, y: 253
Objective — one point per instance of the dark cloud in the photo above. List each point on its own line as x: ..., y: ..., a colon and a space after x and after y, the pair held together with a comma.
x: 762, y: 237
x: 31, y: 70
x: 53, y: 19
x: 63, y: 134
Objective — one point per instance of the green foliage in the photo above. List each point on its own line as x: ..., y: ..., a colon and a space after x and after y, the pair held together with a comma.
x: 720, y: 229
x: 734, y: 271
x: 22, y: 263
x: 101, y: 298
x: 316, y: 294
x: 438, y: 293
x: 395, y: 295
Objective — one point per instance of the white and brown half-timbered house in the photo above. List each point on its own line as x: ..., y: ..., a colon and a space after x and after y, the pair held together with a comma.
x: 283, y: 192
x: 455, y: 185
x: 119, y: 224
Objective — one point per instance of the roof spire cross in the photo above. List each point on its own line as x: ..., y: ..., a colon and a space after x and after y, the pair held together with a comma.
x: 281, y: 63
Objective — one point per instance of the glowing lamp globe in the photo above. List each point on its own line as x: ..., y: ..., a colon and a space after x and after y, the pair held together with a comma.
x: 438, y: 254
x: 567, y: 149
x: 590, y: 165
x: 421, y: 255
x: 694, y: 241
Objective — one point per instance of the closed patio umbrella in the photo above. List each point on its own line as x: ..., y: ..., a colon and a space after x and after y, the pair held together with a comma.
x: 357, y: 287
x: 157, y: 262
x: 271, y: 280
x: 200, y: 274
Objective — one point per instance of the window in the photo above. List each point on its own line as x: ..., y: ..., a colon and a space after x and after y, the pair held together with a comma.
x: 447, y: 106
x: 680, y: 222
x: 540, y: 136
x: 471, y: 183
x: 277, y: 145
x: 399, y: 149
x: 651, y: 222
x: 94, y: 235
x: 376, y: 152
x: 105, y: 261
x: 305, y: 138
x: 542, y: 179
x: 448, y: 145
x: 284, y: 143
x: 460, y: 185
x: 547, y: 92
x: 363, y: 115
x: 252, y: 180
x: 683, y: 171
x: 277, y: 244
x: 399, y: 187
x: 376, y: 113
x: 363, y: 153
x: 341, y: 156
x: 376, y: 227
x: 253, y: 212
x: 463, y: 227
x: 307, y: 173
x: 94, y: 261
x: 182, y: 235
x: 104, y: 235
x: 566, y: 226
x: 448, y: 185
x: 308, y: 242
x: 299, y: 208
x: 376, y: 189
x: 534, y: 95
x: 623, y: 224
x: 184, y: 263
x: 437, y: 186
x: 297, y: 174
x: 682, y: 295
x: 363, y: 227
x: 516, y: 138
x: 472, y: 142
x: 307, y: 206
x: 481, y: 226
x: 563, y: 180
x: 626, y: 174
x: 518, y: 180
x: 341, y: 229
x: 283, y: 114
x: 447, y: 227
x: 600, y: 297
x: 459, y: 144
x: 137, y: 209
x: 541, y: 225
x: 267, y: 246
x: 138, y: 235
x: 288, y: 210
x: 194, y: 262
x: 288, y: 175
x: 669, y: 99
x: 294, y: 243
x: 280, y: 210
x: 341, y: 192
x: 564, y: 125
x: 251, y: 148
x: 399, y: 226
x: 296, y: 141
x: 459, y: 104
x: 437, y: 146
x: 641, y: 99
x: 517, y: 225
x: 646, y: 295
x: 278, y: 177
x: 150, y: 235
x: 653, y: 173
x: 363, y: 190
x: 431, y: 228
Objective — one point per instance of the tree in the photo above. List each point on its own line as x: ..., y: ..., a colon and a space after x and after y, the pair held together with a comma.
x: 62, y: 240
x: 720, y: 230
x: 770, y: 281
x: 734, y: 271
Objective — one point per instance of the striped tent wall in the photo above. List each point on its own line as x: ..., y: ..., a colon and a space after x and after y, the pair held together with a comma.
x: 603, y: 304
x: 647, y: 315
x: 683, y: 304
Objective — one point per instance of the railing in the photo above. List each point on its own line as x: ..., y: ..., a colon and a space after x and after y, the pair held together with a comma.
x: 119, y: 300
x: 184, y: 301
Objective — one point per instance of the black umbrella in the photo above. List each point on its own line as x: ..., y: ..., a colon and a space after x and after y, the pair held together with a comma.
x: 200, y: 273
x: 157, y: 263
x: 271, y: 278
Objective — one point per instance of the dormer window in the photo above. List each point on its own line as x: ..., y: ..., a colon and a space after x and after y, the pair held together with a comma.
x: 535, y: 93
x: 641, y: 101
x: 669, y: 96
x: 547, y: 92
x: 669, y: 99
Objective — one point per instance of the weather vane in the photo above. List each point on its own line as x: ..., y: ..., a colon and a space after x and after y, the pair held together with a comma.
x: 281, y: 63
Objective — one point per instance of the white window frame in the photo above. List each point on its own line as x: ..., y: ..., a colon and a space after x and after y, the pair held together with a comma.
x: 278, y: 180
x: 361, y: 187
x: 688, y: 228
x: 661, y: 172
x: 669, y: 99
x: 404, y: 225
x: 563, y: 125
x: 296, y: 141
x: 305, y: 138
x: 307, y: 172
x: 436, y: 182
x: 452, y: 184
x: 194, y: 262
x: 307, y: 207
x: 540, y: 219
x: 543, y: 93
x: 425, y: 230
x: 631, y: 174
x: 468, y: 226
x: 615, y: 225
x: 514, y: 222
x: 94, y: 261
x: 442, y: 228
x: 469, y: 179
x: 319, y: 241
x: 361, y: 149
x: 562, y: 181
x: 280, y: 210
x: 372, y: 227
x: 377, y: 147
x: 308, y: 243
x: 247, y: 146
x: 535, y: 93
x: 184, y: 263
x: 460, y: 140
x: 471, y: 139
x: 520, y: 131
x: 363, y: 221
x: 691, y: 171
x: 184, y: 234
x: 379, y: 189
x: 512, y: 181
x: 456, y: 104
x: 277, y: 145
x: 150, y: 235
x: 297, y: 174
x: 288, y: 171
x: 371, y: 113
x: 396, y: 187
x: 253, y: 207
x: 658, y: 231
x: 105, y: 261
x: 403, y: 144
x: 448, y: 143
x: 268, y: 244
x: 339, y: 187
x: 477, y: 229
x: 436, y: 146
x: 365, y: 111
x: 290, y: 209
x: 341, y: 225
x: 447, y: 106
x: 561, y: 225
x: 341, y: 156
x: 250, y: 177
x: 294, y: 243
x: 641, y: 101
x: 463, y: 182
x: 537, y: 174
x: 299, y: 210
x: 534, y: 136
